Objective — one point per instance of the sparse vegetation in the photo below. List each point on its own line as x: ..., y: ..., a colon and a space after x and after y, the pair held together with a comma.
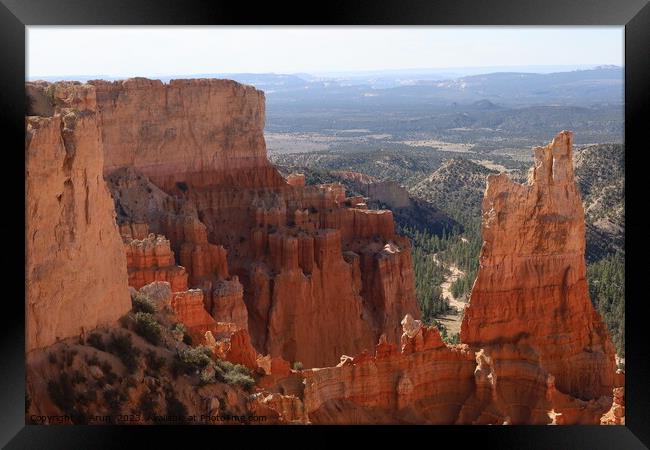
x: 121, y: 346
x: 236, y: 374
x: 190, y: 360
x: 77, y: 377
x: 179, y: 327
x: 175, y: 408
x: 92, y: 360
x: 62, y: 393
x: 147, y: 327
x: 148, y: 404
x: 49, y: 93
x: 454, y: 339
x: 142, y: 303
x: 207, y: 376
x: 239, y: 378
x: 68, y: 356
x: 109, y: 376
x: 95, y: 340
x: 155, y: 363
x: 114, y: 399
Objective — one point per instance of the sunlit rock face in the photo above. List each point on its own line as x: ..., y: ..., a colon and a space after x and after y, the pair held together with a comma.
x: 200, y: 206
x: 75, y: 263
x: 531, y: 289
x: 202, y: 132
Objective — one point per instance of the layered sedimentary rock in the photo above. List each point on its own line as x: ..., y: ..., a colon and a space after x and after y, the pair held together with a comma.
x: 531, y: 291
x: 189, y: 308
x: 428, y: 382
x: 235, y: 346
x: 616, y: 415
x: 309, y: 274
x: 76, y: 268
x: 424, y: 381
x: 187, y: 132
x: 228, y: 303
x: 151, y: 259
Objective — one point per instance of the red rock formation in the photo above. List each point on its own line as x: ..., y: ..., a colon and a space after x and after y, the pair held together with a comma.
x: 200, y: 143
x: 190, y: 310
x: 228, y: 303
x: 279, y: 408
x: 201, y: 132
x: 151, y: 259
x: 75, y: 265
x: 202, y: 259
x: 538, y: 352
x: 237, y: 348
x: 616, y: 414
x: 131, y: 230
x: 424, y: 382
x: 531, y: 290
x: 296, y: 179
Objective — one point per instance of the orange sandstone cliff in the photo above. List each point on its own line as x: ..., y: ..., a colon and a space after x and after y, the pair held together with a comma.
x: 201, y: 132
x: 75, y: 264
x: 307, y: 274
x: 531, y: 289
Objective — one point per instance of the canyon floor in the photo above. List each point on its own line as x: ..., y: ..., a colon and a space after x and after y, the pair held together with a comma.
x: 452, y: 320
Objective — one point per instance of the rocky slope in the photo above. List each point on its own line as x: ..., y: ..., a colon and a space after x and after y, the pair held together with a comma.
x: 456, y: 187
x: 600, y: 173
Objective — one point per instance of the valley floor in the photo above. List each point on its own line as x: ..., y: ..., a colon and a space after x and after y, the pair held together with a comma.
x: 453, y: 319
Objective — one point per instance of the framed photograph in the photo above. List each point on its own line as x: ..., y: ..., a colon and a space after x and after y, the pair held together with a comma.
x: 400, y: 219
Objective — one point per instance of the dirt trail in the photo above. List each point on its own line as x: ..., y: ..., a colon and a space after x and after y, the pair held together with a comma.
x: 452, y: 320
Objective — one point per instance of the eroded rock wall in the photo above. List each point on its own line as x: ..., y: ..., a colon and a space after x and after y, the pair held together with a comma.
x: 191, y: 132
x: 317, y: 277
x: 76, y: 265
x: 531, y: 289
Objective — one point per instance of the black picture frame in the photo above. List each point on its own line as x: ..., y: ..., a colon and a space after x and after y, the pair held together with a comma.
x: 15, y: 15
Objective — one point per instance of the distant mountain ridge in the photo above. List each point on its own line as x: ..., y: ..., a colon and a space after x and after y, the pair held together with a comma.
x: 457, y: 188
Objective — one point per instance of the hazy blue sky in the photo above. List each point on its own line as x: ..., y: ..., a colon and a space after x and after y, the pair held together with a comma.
x: 147, y: 51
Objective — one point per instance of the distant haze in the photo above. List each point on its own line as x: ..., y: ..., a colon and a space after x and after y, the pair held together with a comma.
x: 119, y: 52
